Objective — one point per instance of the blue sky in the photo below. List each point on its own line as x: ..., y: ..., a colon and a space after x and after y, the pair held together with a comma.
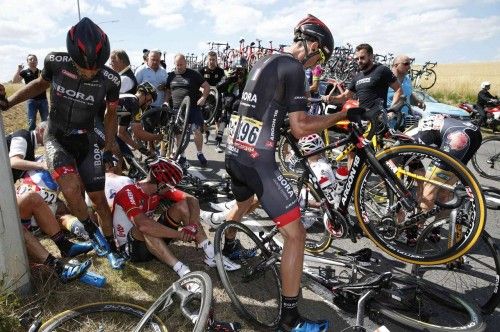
x: 447, y: 31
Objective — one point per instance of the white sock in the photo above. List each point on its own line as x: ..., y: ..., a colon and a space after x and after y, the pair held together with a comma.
x: 181, y: 269
x: 208, y: 248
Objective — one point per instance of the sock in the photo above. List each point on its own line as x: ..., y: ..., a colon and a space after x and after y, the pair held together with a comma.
x: 199, y: 152
x: 290, y: 312
x: 54, y: 263
x: 181, y: 269
x: 112, y: 244
x: 89, y: 226
x: 61, y: 242
x: 229, y: 244
x: 208, y: 248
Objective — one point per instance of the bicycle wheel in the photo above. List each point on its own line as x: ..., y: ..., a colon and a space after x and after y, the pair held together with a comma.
x: 255, y: 289
x: 427, y: 79
x: 195, y: 306
x: 486, y: 160
x: 182, y: 127
x: 317, y: 237
x: 475, y: 276
x: 396, y: 230
x: 211, y: 108
x: 288, y: 161
x: 102, y: 316
x: 425, y: 306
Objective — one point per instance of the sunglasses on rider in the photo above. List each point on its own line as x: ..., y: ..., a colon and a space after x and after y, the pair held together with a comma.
x: 322, y: 57
x: 406, y: 63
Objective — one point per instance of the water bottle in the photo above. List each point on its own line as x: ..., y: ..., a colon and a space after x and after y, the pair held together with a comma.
x: 93, y: 279
x: 327, y: 186
x: 341, y: 175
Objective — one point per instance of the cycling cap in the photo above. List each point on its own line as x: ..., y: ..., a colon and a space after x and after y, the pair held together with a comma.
x: 88, y: 45
x: 311, y: 143
x: 166, y: 171
x: 240, y: 63
x: 147, y: 87
x: 485, y: 84
x: 315, y: 29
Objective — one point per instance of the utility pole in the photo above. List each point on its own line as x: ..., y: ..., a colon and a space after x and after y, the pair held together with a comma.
x: 14, y: 267
x: 78, y: 4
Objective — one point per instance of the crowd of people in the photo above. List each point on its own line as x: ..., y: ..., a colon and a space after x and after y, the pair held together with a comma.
x: 98, y: 112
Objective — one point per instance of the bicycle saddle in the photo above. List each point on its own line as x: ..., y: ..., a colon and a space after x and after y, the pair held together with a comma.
x: 371, y: 282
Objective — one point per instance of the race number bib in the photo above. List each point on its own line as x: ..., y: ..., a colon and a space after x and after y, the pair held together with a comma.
x: 244, y: 132
x: 49, y: 196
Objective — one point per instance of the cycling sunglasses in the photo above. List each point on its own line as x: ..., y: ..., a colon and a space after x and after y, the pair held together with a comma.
x: 322, y: 57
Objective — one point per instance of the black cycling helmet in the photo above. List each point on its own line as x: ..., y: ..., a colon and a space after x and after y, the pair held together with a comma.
x: 147, y: 87
x: 313, y: 28
x: 88, y: 45
x: 241, y: 62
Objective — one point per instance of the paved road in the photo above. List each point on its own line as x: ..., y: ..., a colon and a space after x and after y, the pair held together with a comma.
x: 313, y: 305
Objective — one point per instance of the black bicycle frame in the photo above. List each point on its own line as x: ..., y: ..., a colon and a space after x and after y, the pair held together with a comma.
x: 364, y: 154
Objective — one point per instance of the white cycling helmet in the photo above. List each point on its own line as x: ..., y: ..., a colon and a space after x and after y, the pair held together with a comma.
x: 485, y: 84
x: 311, y: 143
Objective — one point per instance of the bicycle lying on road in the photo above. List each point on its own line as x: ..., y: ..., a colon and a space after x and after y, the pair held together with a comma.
x: 255, y: 289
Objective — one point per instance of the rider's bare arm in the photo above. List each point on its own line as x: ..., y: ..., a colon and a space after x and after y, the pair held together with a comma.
x: 110, y: 125
x: 303, y: 124
x: 30, y: 90
x: 150, y: 227
x: 142, y: 134
x: 18, y: 162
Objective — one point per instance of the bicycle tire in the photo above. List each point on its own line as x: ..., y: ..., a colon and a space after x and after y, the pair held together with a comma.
x: 212, y: 106
x: 490, y: 151
x: 258, y: 303
x: 375, y: 229
x: 71, y: 316
x: 288, y: 162
x: 318, y: 239
x: 182, y: 124
x: 427, y: 79
x: 428, y: 299
x: 205, y: 296
x: 475, y: 276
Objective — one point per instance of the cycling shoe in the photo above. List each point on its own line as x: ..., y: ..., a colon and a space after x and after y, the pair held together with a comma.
x: 73, y: 270
x: 116, y: 261
x: 78, y: 248
x: 305, y: 325
x: 100, y: 243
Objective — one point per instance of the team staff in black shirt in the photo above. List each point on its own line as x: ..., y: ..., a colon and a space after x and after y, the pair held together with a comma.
x: 371, y: 83
x: 37, y: 103
x: 184, y: 82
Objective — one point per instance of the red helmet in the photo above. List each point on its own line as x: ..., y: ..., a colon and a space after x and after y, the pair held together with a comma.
x: 315, y: 29
x: 88, y: 46
x: 166, y: 171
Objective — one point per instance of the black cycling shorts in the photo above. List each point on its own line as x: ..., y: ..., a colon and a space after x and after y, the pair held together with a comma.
x: 76, y: 154
x: 274, y: 192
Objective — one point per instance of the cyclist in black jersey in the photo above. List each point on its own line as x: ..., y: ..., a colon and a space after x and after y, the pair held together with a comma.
x: 275, y: 89
x: 231, y: 88
x: 80, y: 84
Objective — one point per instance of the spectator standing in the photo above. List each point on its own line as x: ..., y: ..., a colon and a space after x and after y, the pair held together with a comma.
x: 37, y: 103
x: 120, y: 63
x: 184, y: 82
x: 153, y: 73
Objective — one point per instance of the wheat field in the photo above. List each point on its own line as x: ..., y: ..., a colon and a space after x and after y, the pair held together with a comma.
x: 461, y: 81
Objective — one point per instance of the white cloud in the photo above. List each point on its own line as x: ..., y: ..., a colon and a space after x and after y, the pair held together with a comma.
x: 165, y: 15
x: 121, y: 3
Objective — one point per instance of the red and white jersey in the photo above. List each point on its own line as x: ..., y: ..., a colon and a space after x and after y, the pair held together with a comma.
x: 130, y: 201
x: 114, y: 183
